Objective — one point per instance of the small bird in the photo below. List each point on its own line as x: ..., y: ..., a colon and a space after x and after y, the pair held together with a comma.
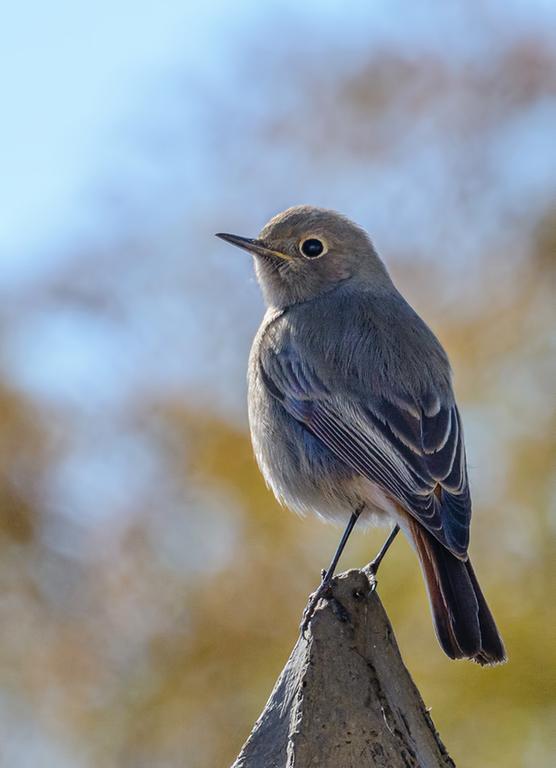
x: 353, y: 416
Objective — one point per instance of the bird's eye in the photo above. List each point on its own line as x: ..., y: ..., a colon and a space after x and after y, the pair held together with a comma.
x: 312, y: 248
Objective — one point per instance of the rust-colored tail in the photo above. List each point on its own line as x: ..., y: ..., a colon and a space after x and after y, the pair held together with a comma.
x: 464, y: 624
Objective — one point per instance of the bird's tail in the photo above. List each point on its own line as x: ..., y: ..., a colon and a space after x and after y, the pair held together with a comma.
x: 463, y: 622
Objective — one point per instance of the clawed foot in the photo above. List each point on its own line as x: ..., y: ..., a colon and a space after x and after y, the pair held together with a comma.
x: 313, y: 600
x: 370, y: 572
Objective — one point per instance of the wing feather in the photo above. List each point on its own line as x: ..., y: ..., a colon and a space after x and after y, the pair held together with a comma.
x: 413, y: 450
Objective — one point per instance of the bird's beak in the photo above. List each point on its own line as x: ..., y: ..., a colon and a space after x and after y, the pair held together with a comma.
x: 252, y: 245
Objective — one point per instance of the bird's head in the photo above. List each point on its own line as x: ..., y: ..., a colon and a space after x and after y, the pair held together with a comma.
x: 307, y: 251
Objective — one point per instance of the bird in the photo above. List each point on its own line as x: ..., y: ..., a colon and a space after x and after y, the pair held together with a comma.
x: 353, y: 416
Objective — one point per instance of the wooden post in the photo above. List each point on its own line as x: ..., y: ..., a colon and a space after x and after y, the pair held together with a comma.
x: 344, y: 698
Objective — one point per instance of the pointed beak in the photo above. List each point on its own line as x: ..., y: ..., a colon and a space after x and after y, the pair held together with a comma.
x: 253, y: 246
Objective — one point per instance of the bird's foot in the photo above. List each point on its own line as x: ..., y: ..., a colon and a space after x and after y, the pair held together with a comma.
x: 370, y: 572
x: 321, y: 591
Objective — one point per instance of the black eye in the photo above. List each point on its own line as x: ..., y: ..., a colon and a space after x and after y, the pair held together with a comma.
x: 311, y: 248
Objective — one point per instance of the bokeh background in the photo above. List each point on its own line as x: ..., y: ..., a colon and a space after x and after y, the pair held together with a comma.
x: 150, y: 587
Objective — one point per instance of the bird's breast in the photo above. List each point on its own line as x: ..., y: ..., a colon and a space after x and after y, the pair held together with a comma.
x: 303, y: 473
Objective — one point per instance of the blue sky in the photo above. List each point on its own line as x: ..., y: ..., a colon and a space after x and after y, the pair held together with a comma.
x: 71, y: 75
x: 75, y: 76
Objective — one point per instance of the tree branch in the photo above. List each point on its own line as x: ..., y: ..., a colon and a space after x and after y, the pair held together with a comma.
x: 344, y: 698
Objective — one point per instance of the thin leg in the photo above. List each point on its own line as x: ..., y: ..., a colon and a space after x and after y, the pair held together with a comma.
x: 372, y: 568
x: 327, y: 575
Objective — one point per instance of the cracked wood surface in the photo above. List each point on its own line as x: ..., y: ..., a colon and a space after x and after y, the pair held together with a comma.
x: 344, y: 698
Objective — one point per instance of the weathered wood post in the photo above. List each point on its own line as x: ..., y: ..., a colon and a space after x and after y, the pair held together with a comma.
x: 344, y: 698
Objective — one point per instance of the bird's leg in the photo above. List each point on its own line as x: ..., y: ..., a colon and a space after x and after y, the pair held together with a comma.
x: 372, y: 568
x: 327, y: 575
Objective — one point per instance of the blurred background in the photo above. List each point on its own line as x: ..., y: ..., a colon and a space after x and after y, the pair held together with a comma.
x: 150, y: 587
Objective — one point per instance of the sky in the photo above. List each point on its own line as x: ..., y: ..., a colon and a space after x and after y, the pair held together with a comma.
x: 74, y: 77
x: 71, y: 75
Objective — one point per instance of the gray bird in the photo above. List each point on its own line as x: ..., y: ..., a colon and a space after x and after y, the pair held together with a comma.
x: 352, y: 412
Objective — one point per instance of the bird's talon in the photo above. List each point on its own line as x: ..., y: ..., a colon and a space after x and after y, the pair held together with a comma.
x: 370, y: 573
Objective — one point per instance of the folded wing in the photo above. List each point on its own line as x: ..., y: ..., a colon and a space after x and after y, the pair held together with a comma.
x: 412, y: 449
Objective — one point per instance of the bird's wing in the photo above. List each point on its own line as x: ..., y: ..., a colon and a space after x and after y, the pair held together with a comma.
x: 413, y: 450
